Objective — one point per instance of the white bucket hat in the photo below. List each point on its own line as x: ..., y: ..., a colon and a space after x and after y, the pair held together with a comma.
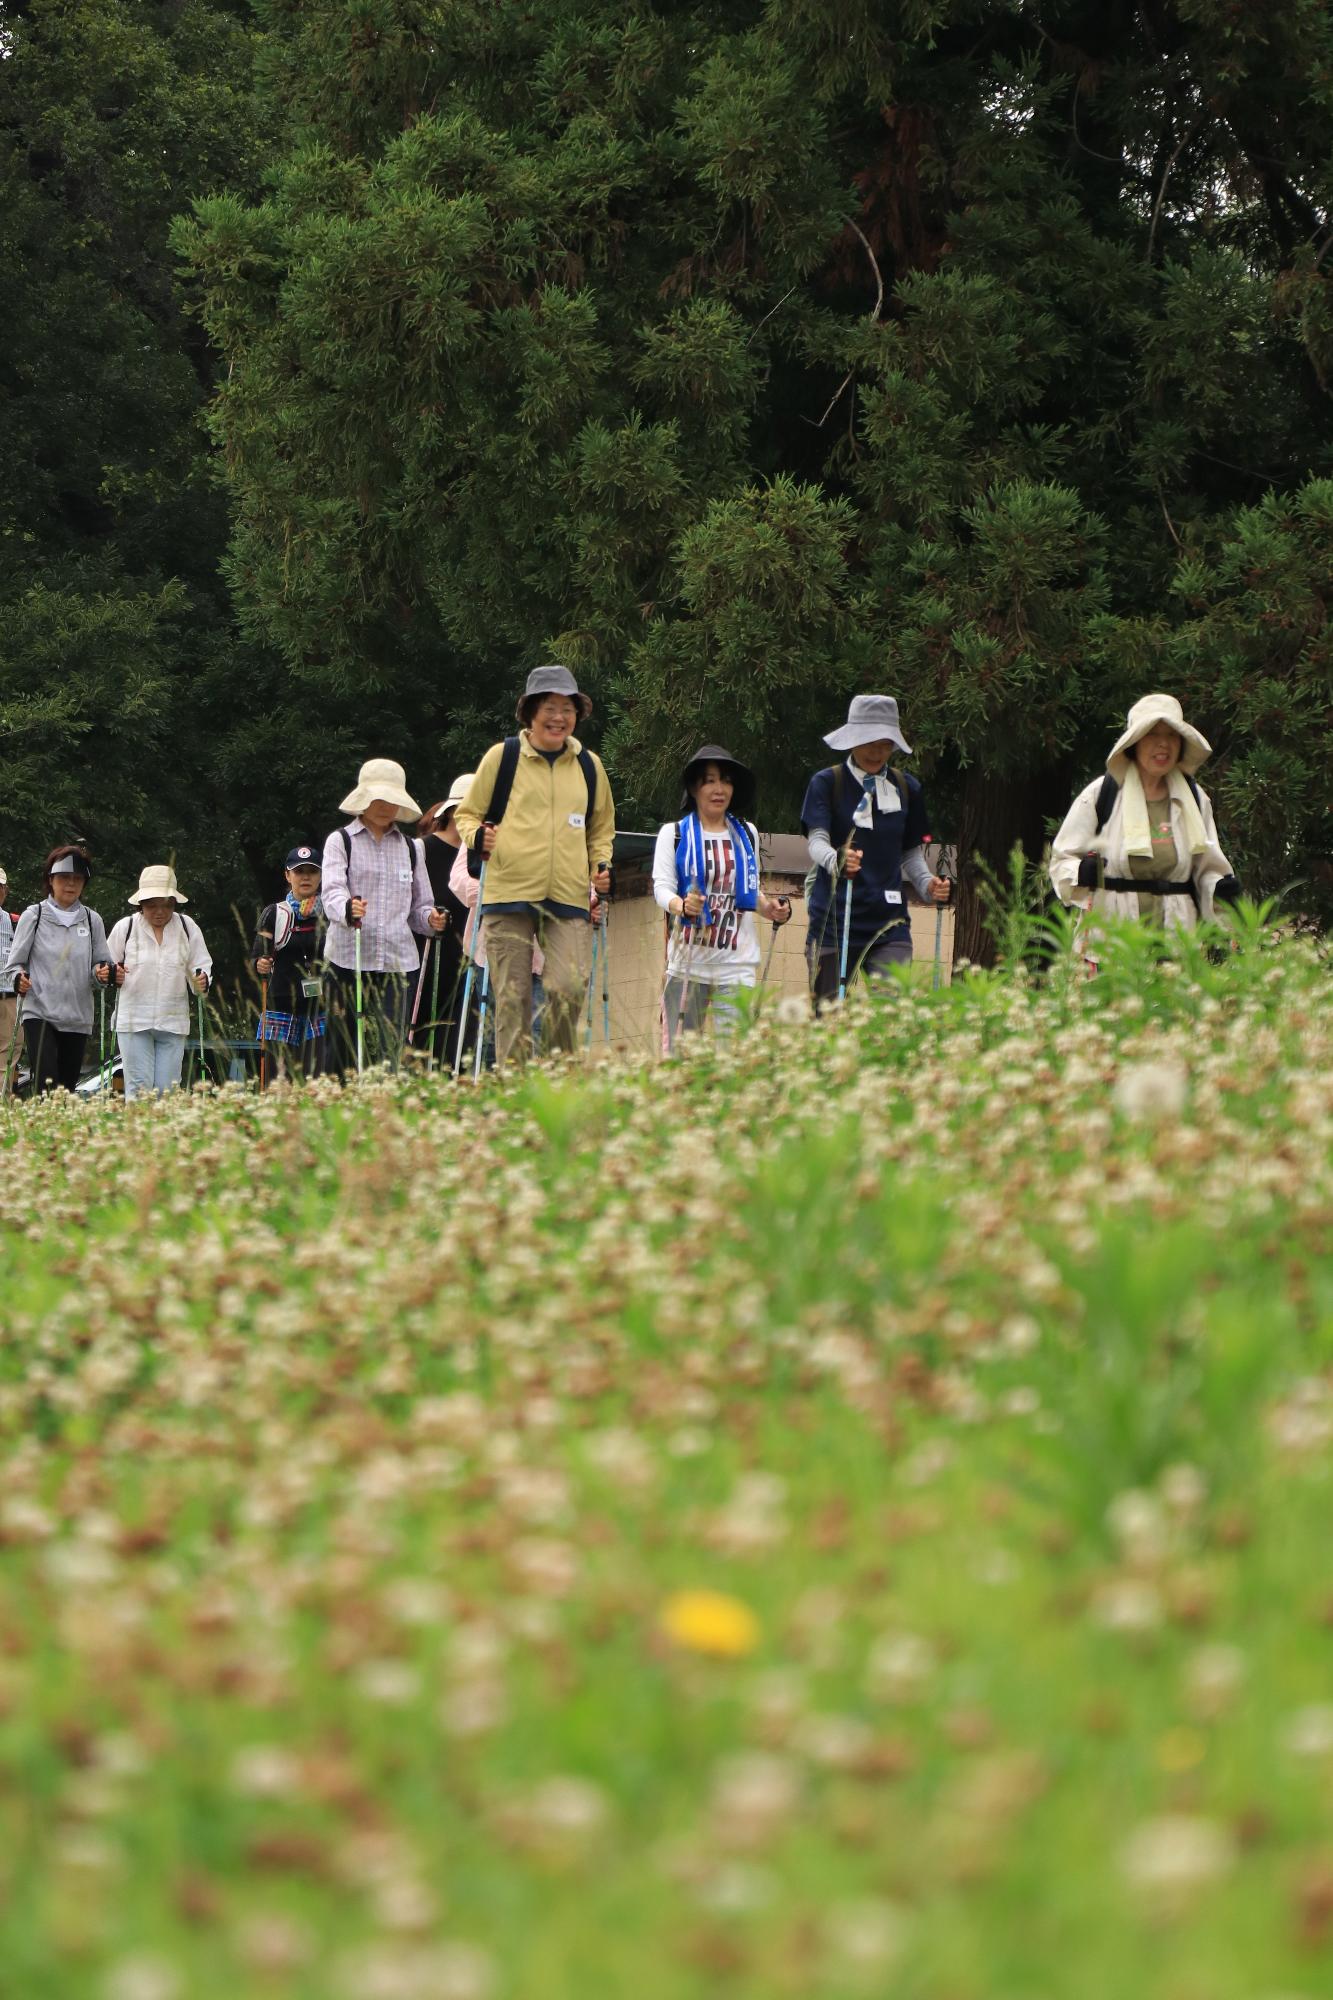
x: 381, y: 778
x: 159, y: 880
x: 1145, y: 715
x: 871, y: 719
x: 4, y: 879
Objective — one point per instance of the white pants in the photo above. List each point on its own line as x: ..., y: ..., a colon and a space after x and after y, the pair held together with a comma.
x: 152, y: 1060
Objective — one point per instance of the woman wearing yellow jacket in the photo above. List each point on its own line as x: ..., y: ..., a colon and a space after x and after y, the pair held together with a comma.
x: 540, y: 816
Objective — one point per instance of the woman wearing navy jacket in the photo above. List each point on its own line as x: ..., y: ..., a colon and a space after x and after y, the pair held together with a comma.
x: 866, y: 826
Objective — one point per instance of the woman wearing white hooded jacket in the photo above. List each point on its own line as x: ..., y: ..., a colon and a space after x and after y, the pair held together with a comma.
x: 1142, y: 842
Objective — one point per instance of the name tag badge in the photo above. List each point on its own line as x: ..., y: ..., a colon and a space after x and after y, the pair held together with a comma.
x: 577, y: 819
x: 893, y: 895
x: 82, y: 931
x: 404, y: 874
x: 310, y: 989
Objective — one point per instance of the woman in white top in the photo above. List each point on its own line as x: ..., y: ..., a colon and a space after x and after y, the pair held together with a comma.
x: 160, y: 959
x: 1142, y: 842
x: 706, y: 877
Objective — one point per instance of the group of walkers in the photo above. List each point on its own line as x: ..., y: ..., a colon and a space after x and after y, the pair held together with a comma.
x: 428, y: 930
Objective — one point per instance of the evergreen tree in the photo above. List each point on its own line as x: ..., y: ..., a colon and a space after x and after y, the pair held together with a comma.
x: 121, y: 673
x: 753, y: 354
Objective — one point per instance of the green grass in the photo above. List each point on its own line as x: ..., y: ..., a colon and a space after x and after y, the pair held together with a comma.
x: 352, y: 1443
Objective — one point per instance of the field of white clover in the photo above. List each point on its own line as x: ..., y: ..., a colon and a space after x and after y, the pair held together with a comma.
x: 848, y: 1515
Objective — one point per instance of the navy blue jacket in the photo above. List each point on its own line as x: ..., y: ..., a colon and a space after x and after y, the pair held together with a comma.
x: 879, y: 901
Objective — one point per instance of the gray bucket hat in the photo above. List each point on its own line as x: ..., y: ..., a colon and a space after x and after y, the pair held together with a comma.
x: 870, y: 719
x: 552, y: 680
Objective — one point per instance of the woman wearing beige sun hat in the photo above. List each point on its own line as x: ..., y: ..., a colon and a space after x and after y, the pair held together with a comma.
x: 159, y: 959
x: 1142, y: 841
x: 375, y: 880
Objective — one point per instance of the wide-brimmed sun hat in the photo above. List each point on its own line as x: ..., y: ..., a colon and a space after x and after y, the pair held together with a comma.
x: 1145, y: 715
x: 157, y: 881
x: 381, y: 778
x: 872, y: 718
x: 552, y: 679
x: 742, y: 796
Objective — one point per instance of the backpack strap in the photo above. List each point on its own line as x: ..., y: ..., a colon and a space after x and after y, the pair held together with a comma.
x: 589, y: 770
x: 504, y: 781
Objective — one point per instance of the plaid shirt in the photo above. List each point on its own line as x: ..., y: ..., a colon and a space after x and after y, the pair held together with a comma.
x: 391, y: 875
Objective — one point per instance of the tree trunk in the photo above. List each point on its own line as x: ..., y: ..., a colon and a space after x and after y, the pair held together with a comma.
x: 995, y: 813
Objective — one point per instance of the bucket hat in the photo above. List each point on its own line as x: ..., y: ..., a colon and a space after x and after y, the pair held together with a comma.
x: 742, y: 797
x: 552, y: 679
x: 381, y: 778
x: 1145, y: 715
x: 158, y: 880
x: 871, y: 719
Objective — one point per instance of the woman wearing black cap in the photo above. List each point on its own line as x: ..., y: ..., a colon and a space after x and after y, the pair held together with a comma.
x: 706, y: 876
x: 58, y: 958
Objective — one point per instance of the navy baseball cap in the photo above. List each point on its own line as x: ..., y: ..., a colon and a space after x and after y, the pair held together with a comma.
x: 303, y: 857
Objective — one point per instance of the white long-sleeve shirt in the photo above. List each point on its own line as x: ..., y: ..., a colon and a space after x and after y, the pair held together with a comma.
x: 1079, y: 837
x: 727, y: 951
x: 157, y: 989
x: 391, y: 875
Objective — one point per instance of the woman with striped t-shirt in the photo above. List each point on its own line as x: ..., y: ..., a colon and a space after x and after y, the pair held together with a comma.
x: 706, y: 878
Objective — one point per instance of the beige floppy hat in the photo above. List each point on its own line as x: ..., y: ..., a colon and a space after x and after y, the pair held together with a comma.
x: 1145, y: 715
x: 381, y: 778
x: 159, y: 880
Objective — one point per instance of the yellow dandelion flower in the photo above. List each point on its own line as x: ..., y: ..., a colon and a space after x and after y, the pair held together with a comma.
x: 708, y: 1621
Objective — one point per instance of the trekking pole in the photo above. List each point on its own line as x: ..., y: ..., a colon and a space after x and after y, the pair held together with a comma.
x: 481, y: 1020
x: 926, y: 841
x: 471, y: 970
x: 199, y: 1007
x: 101, y: 1039
x: 360, y: 1020
x: 688, y: 923
x: 263, y: 1031
x: 772, y: 943
x: 605, y: 929
x: 435, y: 997
x: 592, y: 983
x: 421, y: 987
x: 846, y: 940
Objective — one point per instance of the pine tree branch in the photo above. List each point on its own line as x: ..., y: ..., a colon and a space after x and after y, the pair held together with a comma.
x: 874, y: 316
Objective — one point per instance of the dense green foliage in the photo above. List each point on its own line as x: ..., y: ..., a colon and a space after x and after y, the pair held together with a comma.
x: 751, y: 354
x: 745, y: 355
x: 121, y: 679
x: 353, y: 1445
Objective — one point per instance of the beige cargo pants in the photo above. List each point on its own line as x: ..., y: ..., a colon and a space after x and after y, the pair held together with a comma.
x: 567, y: 945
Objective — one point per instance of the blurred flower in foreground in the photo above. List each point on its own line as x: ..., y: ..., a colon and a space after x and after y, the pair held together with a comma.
x: 1168, y: 1859
x: 708, y: 1621
x: 1151, y: 1093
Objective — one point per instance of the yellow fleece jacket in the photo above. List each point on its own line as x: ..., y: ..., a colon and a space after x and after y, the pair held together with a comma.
x: 544, y: 851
